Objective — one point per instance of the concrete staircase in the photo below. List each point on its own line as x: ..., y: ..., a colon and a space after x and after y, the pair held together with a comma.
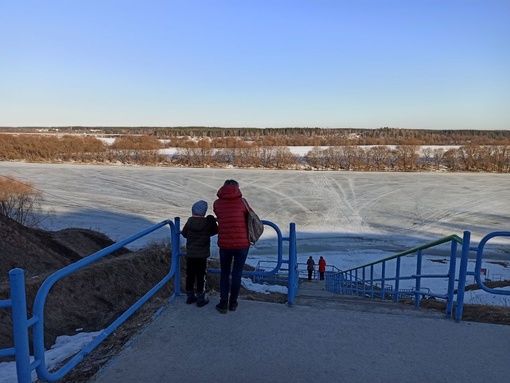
x: 314, y: 294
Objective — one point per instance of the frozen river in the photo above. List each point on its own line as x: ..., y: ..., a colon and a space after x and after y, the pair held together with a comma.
x: 334, y: 212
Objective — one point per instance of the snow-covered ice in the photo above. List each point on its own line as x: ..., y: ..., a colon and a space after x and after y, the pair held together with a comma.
x: 336, y: 212
x: 350, y: 218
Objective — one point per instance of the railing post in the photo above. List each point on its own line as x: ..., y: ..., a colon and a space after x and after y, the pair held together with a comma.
x: 356, y: 280
x: 371, y: 281
x: 20, y: 325
x: 462, y: 276
x: 175, y: 236
x: 292, y: 286
x: 397, y: 280
x: 383, y: 280
x: 418, y: 279
x: 363, y: 286
x: 451, y: 279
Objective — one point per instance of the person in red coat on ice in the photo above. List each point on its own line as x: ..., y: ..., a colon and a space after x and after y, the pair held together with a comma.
x: 322, y: 268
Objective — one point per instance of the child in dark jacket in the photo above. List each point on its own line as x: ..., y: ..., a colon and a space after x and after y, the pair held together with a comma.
x: 198, y: 231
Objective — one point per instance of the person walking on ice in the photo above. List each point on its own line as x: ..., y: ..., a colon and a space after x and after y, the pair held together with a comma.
x: 322, y: 267
x: 310, y: 266
x: 198, y: 231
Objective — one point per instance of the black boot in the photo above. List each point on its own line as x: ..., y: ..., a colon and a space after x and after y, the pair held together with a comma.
x: 191, y: 297
x: 232, y: 306
x: 222, y: 307
x: 202, y: 300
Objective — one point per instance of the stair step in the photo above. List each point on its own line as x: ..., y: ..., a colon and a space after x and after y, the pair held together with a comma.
x: 314, y: 294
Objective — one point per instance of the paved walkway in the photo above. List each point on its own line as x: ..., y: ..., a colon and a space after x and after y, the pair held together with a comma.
x: 316, y: 340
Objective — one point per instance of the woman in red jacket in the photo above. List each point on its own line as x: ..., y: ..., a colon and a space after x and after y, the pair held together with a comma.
x: 322, y: 268
x: 232, y: 241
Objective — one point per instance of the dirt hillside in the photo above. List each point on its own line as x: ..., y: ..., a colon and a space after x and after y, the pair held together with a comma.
x: 89, y: 299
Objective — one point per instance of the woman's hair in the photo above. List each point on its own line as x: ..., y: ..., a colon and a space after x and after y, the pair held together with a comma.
x: 231, y: 182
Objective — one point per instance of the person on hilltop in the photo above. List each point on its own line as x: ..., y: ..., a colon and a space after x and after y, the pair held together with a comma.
x: 310, y: 267
x: 233, y: 242
x: 322, y: 268
x: 198, y: 231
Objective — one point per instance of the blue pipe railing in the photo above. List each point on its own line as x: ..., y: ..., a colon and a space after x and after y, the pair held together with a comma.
x: 293, y: 284
x: 354, y: 282
x: 386, y: 284
x: 382, y: 284
x: 21, y: 324
x: 463, y: 272
x: 292, y: 278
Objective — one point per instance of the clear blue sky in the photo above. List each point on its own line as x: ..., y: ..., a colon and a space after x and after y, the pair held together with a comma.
x: 419, y: 64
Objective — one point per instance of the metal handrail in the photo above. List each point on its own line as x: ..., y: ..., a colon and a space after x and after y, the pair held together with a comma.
x: 291, y: 261
x: 362, y: 281
x: 441, y: 241
x: 463, y: 272
x: 18, y: 305
x: 21, y: 324
x: 355, y: 281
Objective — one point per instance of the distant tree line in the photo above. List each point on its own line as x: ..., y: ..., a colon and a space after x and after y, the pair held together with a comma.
x: 410, y: 158
x: 142, y: 150
x: 311, y: 136
x: 267, y: 153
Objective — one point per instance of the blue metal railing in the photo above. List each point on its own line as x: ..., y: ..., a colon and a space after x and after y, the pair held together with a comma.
x: 385, y: 279
x: 292, y: 274
x: 371, y: 280
x: 463, y: 272
x: 377, y: 280
x: 21, y: 324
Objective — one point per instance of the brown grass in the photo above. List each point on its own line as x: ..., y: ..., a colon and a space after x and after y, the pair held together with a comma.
x: 474, y: 312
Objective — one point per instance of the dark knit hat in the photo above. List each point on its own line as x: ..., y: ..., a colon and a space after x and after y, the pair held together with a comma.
x: 199, y: 208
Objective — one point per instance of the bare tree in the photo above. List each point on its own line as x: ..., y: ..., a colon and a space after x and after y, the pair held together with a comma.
x: 379, y: 157
x: 467, y: 157
x: 438, y: 158
x: 502, y: 158
x: 315, y: 158
x: 266, y: 155
x: 284, y: 157
x: 425, y: 160
x: 20, y: 201
x: 407, y: 157
x: 450, y: 160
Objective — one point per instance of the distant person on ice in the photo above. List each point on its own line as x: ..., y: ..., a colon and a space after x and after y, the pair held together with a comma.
x: 310, y: 266
x: 322, y: 268
x: 232, y: 241
x: 198, y: 231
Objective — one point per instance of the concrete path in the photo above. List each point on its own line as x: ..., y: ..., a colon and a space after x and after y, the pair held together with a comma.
x: 315, y: 340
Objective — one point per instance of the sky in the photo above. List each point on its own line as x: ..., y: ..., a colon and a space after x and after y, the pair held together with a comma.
x: 424, y: 64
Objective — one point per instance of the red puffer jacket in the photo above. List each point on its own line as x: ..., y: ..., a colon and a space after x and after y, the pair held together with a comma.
x: 231, y: 214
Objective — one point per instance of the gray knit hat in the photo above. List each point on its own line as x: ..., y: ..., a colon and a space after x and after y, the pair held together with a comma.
x: 199, y: 208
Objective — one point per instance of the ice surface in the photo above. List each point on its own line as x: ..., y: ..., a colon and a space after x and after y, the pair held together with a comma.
x: 336, y: 212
